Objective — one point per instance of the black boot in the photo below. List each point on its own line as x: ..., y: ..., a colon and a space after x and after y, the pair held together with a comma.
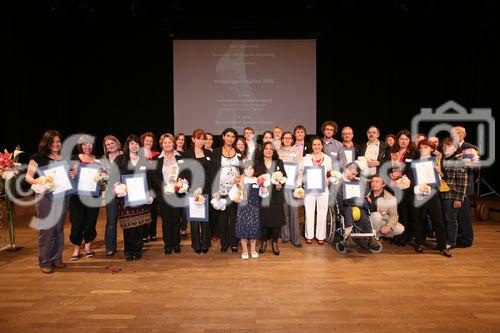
x: 276, y: 251
x: 263, y: 247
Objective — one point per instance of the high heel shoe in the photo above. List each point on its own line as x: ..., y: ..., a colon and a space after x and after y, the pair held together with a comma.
x: 276, y: 251
x: 234, y: 249
x: 263, y: 247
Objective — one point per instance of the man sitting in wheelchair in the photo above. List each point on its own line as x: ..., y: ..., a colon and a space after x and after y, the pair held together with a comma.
x: 355, y: 210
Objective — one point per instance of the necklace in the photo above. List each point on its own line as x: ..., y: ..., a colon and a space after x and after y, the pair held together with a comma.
x: 228, y: 151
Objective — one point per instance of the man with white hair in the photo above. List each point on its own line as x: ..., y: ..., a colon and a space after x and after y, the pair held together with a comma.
x: 465, y: 232
x: 384, y: 210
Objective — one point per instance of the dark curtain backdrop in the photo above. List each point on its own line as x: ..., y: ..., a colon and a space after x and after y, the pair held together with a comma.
x: 107, y: 68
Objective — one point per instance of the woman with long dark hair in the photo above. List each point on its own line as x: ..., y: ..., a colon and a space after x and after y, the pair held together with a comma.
x: 133, y: 218
x: 226, y: 167
x: 83, y: 217
x: 272, y: 211
x: 52, y: 211
x: 403, y: 152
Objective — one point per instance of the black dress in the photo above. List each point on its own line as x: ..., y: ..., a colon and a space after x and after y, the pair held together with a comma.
x: 272, y: 211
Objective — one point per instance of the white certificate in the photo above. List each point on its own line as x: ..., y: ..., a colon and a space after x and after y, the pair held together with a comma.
x: 196, y: 211
x: 136, y: 189
x: 86, y: 179
x: 349, y: 155
x: 61, y: 178
x: 352, y: 191
x: 291, y: 174
x: 314, y: 179
x: 426, y: 174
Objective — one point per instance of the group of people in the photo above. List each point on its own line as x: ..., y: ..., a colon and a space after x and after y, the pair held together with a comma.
x: 396, y: 207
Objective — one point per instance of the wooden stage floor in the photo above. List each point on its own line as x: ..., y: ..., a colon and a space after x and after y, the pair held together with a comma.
x: 312, y: 289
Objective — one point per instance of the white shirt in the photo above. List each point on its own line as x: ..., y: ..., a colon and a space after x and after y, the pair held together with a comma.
x: 371, y: 153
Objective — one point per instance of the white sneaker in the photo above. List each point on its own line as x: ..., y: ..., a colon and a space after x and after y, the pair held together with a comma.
x: 255, y: 255
x: 244, y: 256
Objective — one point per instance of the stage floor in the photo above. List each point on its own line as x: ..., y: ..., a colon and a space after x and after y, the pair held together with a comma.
x: 312, y: 289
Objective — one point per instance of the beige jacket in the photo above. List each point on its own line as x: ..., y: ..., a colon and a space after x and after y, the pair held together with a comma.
x: 387, y: 206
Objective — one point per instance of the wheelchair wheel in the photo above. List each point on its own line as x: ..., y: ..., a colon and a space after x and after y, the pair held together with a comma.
x: 341, y: 247
x: 375, y: 247
x: 330, y: 225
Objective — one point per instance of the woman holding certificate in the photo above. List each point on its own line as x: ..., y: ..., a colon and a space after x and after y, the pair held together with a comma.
x: 427, y: 198
x: 134, y: 200
x: 272, y: 212
x: 165, y: 177
x: 287, y: 152
x: 402, y: 154
x: 83, y: 215
x: 200, y: 231
x: 51, y: 212
x: 112, y: 149
x: 226, y: 167
x: 315, y: 167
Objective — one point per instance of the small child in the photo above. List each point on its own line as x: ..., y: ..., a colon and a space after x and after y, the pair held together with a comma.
x: 245, y: 193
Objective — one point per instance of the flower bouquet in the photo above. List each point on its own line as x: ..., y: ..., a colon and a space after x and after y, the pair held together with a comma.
x: 199, y: 199
x: 218, y: 202
x: 299, y: 193
x: 334, y: 176
x: 121, y: 190
x: 277, y: 178
x: 44, y: 184
x: 181, y: 186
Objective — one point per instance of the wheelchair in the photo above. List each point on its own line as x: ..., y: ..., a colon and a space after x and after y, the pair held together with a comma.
x: 335, y: 233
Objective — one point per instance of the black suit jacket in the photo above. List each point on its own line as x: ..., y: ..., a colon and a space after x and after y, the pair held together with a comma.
x: 383, y: 152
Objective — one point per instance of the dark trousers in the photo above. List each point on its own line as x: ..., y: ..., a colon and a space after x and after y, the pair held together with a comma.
x: 149, y: 230
x: 406, y: 210
x: 465, y: 233
x: 450, y: 217
x: 83, y: 221
x: 111, y: 225
x: 200, y: 235
x: 272, y: 233
x: 170, y: 217
x: 51, y: 236
x: 227, y: 222
x: 132, y: 240
x: 363, y: 225
x: 432, y: 207
x: 214, y: 223
x: 184, y: 222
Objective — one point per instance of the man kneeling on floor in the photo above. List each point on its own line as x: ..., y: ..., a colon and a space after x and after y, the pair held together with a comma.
x: 384, y: 210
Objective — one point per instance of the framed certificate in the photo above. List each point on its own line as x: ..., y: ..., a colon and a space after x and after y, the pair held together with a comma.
x: 425, y: 172
x: 350, y: 154
x: 352, y: 190
x: 137, y: 189
x: 197, y: 212
x: 60, y: 172
x: 314, y: 179
x: 85, y: 183
x: 291, y: 170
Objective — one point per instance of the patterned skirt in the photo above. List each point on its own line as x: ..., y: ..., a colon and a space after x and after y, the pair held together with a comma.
x: 131, y: 217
